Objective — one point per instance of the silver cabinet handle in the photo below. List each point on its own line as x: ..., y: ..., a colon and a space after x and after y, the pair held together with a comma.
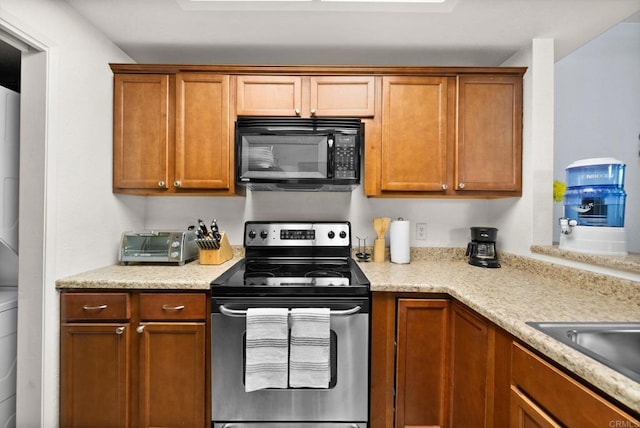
x: 94, y: 308
x: 176, y: 183
x: 461, y: 185
x: 297, y: 111
x: 161, y: 183
x: 119, y: 330
x: 313, y: 112
x: 445, y: 186
x: 172, y: 308
x: 140, y: 329
x: 243, y: 313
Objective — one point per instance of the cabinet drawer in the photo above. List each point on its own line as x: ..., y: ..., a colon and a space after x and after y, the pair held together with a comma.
x: 560, y: 396
x: 173, y: 306
x: 94, y: 306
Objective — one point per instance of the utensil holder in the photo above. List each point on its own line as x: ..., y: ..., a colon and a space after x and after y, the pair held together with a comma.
x: 217, y: 256
x: 378, y: 250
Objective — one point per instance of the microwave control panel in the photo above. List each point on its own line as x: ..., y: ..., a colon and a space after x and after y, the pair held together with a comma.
x: 346, y: 151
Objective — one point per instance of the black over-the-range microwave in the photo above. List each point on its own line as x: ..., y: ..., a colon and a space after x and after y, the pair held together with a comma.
x: 299, y: 154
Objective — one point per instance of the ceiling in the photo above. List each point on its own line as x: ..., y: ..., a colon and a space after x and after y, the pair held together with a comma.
x: 455, y: 32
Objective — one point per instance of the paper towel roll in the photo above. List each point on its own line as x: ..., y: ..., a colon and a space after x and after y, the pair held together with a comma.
x: 399, y: 241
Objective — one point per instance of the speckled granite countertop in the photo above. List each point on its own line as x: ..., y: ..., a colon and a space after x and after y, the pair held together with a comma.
x: 522, y: 290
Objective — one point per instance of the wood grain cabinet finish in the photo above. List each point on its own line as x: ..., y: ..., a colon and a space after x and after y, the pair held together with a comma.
x: 305, y: 96
x: 171, y: 134
x: 148, y: 371
x: 437, y: 363
x: 172, y: 358
x: 141, y: 131
x: 203, y: 143
x: 488, y: 154
x: 95, y: 359
x: 452, y: 136
x: 471, y: 370
x: 415, y: 133
x: 558, y: 399
x: 421, y: 362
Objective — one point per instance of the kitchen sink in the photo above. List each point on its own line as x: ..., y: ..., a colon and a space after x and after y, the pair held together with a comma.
x: 616, y: 345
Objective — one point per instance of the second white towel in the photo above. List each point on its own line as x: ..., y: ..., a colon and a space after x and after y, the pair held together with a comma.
x: 310, y: 344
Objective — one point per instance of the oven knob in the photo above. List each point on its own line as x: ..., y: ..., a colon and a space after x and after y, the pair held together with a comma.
x: 343, y: 234
x: 331, y: 234
x: 252, y: 234
x: 263, y: 234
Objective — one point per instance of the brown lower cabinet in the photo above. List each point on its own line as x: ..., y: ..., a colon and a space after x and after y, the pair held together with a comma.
x: 134, y: 359
x: 437, y: 363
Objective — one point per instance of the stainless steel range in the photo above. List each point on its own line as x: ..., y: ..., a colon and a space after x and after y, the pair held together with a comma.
x: 297, y: 266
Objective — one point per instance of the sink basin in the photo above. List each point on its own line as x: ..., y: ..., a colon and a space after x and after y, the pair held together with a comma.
x: 616, y: 345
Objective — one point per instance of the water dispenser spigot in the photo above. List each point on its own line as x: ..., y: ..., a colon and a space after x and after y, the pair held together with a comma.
x: 567, y: 225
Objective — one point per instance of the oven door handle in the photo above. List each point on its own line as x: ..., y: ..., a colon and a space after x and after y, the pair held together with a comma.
x: 239, y: 313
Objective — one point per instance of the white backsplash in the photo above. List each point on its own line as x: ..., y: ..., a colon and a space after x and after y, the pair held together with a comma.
x: 448, y: 220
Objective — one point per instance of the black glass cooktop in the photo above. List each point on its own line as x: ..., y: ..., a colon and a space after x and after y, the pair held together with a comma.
x: 269, y: 276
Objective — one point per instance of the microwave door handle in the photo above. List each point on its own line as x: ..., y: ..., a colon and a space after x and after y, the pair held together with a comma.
x: 330, y: 155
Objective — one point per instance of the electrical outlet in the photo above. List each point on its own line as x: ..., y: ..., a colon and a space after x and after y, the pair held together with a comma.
x: 421, y: 231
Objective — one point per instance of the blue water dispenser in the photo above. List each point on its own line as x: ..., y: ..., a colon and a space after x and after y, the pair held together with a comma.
x: 594, y: 205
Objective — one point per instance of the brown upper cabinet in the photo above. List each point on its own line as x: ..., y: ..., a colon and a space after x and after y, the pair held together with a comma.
x: 429, y: 131
x: 448, y: 136
x: 488, y: 155
x: 414, y: 133
x: 305, y: 96
x: 172, y: 134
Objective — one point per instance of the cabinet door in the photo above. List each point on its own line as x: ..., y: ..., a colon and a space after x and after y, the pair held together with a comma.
x: 347, y: 96
x: 172, y: 375
x: 268, y: 95
x: 489, y: 134
x: 202, y: 147
x: 94, y: 375
x: 141, y: 133
x: 414, y: 133
x: 421, y: 368
x: 526, y: 414
x: 470, y: 373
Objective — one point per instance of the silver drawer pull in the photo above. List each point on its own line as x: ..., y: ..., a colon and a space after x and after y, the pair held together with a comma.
x: 243, y: 313
x: 119, y: 330
x: 94, y: 308
x: 172, y: 308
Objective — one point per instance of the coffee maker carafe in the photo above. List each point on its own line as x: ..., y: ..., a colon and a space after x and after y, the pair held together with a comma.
x: 482, y: 248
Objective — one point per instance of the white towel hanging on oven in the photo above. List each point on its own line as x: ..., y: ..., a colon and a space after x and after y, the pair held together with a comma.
x: 310, y: 343
x: 267, y: 348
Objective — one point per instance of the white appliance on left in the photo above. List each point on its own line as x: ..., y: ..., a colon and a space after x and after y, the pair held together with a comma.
x: 9, y: 174
x: 8, y: 352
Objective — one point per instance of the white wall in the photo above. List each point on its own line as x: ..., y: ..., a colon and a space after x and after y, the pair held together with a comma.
x: 527, y: 220
x: 597, y: 113
x: 69, y: 219
x: 447, y: 221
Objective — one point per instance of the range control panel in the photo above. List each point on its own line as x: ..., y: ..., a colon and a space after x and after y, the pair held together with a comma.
x: 328, y: 234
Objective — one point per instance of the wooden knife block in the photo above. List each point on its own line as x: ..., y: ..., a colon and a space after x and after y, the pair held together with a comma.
x: 218, y: 256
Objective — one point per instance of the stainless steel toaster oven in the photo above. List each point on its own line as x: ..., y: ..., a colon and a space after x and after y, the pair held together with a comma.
x: 151, y: 246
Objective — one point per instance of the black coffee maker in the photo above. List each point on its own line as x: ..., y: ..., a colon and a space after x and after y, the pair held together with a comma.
x: 482, y: 248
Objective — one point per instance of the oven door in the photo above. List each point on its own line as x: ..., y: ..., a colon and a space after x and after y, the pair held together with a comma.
x: 343, y: 405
